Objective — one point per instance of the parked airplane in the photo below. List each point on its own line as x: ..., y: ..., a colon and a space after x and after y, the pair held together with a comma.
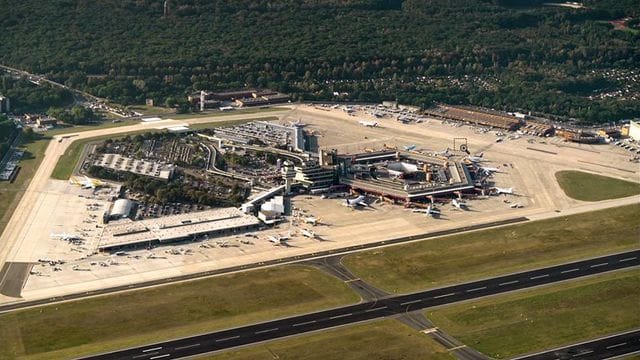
x: 368, y: 123
x: 354, y: 203
x: 444, y: 153
x: 309, y: 233
x: 311, y: 220
x: 279, y: 240
x: 86, y: 182
x: 499, y: 191
x: 489, y: 170
x: 410, y: 147
x: 477, y: 158
x: 430, y: 211
x: 459, y: 204
x: 64, y: 236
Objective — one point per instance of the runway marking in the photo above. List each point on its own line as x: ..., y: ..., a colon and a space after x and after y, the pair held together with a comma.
x: 160, y: 356
x: 152, y: 349
x: 539, y: 277
x: 375, y: 309
x: 351, y: 280
x: 227, y: 339
x: 568, y: 271
x: 598, y: 265
x: 509, y: 283
x: 583, y: 353
x: 410, y: 302
x: 477, y: 289
x: 616, y: 345
x: 145, y: 355
x: 457, y: 348
x: 265, y: 331
x: 186, y: 347
x: 304, y: 323
x: 429, y: 331
x: 341, y: 316
x: 628, y: 259
x: 445, y: 295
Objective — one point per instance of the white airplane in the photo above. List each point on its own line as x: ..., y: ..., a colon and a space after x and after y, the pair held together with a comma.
x: 477, y: 158
x: 430, y: 211
x: 368, y: 123
x: 503, y: 190
x: 444, y: 153
x: 279, y: 240
x: 489, y: 170
x: 359, y: 201
x: 459, y: 204
x: 309, y: 233
x: 64, y: 236
x: 410, y: 147
x: 311, y: 220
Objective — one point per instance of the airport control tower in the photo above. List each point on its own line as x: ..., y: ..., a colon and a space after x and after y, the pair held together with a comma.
x: 288, y: 173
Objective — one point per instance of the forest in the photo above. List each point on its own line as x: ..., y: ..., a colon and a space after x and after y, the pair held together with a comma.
x: 8, y: 132
x: 504, y: 54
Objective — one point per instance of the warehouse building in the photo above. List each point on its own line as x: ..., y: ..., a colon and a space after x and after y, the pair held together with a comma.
x: 475, y: 117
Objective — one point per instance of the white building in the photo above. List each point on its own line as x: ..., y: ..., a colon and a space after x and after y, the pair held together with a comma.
x: 634, y: 130
x: 5, y: 104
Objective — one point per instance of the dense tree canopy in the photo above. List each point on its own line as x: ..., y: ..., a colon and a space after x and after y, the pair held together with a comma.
x: 513, y: 54
x: 8, y: 132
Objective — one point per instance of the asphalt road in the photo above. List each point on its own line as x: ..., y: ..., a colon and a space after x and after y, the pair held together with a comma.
x: 603, y: 348
x: 373, y: 309
x: 285, y: 260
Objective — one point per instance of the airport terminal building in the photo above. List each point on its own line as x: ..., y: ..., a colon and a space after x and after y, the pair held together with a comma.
x: 125, y: 234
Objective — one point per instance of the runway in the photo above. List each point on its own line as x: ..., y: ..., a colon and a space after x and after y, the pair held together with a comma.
x: 603, y: 348
x: 369, y: 310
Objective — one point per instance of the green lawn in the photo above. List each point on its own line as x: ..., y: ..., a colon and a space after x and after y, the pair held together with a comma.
x: 152, y: 110
x: 590, y: 187
x: 11, y: 193
x: 134, y: 318
x: 385, y: 339
x: 209, y: 125
x: 465, y: 257
x: 545, y: 318
x: 107, y: 124
x: 225, y: 113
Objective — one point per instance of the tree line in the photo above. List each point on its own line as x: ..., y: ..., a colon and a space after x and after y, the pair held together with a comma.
x: 537, y: 58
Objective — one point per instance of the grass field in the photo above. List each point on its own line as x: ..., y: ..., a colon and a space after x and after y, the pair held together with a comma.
x: 385, y: 339
x: 107, y: 124
x: 226, y: 113
x: 11, y: 193
x: 229, y: 123
x: 590, y: 187
x: 465, y: 257
x: 134, y: 318
x: 545, y: 318
x: 151, y: 110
